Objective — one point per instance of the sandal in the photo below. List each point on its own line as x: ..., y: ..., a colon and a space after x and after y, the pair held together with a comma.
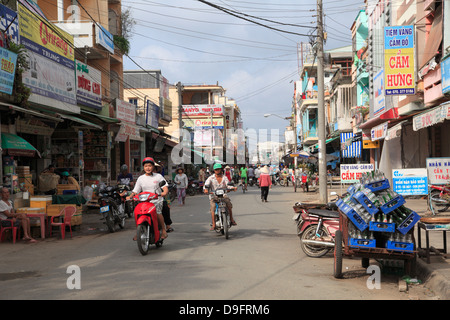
x: 233, y: 223
x: 169, y: 229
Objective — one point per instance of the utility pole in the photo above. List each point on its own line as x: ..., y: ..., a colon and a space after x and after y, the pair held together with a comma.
x: 323, y: 197
x: 180, y: 110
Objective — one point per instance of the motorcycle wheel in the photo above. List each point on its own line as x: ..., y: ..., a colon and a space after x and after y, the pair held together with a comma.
x: 191, y: 191
x: 338, y: 254
x: 281, y: 182
x: 312, y: 251
x: 225, y: 223
x: 143, y: 241
x: 129, y: 208
x: 110, y: 222
x: 172, y: 195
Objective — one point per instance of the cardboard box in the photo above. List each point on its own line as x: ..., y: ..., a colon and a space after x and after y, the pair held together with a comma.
x: 40, y: 202
x: 63, y: 187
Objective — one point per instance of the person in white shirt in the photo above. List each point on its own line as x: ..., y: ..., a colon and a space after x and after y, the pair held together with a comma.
x: 181, y: 181
x: 149, y: 182
x: 8, y: 215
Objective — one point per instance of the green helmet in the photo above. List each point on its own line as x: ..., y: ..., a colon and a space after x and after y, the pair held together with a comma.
x: 217, y: 166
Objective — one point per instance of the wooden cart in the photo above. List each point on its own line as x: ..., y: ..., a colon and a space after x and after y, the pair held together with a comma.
x: 342, y: 248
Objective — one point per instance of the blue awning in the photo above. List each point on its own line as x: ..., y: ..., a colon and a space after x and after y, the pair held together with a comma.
x: 354, y: 149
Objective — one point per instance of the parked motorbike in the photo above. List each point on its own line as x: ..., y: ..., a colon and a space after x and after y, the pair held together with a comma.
x: 172, y: 191
x: 195, y: 187
x: 147, y: 221
x: 112, y: 207
x: 439, y: 198
x: 221, y: 214
x: 316, y: 227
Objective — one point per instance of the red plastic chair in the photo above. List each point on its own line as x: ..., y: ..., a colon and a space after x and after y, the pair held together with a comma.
x: 14, y: 228
x: 65, y: 214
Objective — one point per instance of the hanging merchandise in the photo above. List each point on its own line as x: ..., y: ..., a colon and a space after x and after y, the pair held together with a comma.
x: 378, y: 215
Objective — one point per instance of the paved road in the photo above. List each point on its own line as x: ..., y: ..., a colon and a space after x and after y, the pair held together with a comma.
x: 261, y: 260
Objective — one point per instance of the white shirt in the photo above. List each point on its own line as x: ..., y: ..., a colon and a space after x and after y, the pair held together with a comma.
x: 149, y: 183
x: 4, y: 206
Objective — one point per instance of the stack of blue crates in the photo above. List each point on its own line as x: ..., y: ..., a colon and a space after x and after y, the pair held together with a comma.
x: 383, y: 233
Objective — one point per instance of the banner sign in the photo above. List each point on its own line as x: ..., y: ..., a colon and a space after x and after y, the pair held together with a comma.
x: 125, y: 111
x: 104, y: 38
x: 9, y: 20
x: 7, y: 70
x: 202, y: 110
x: 351, y: 173
x: 89, y: 85
x: 204, y: 123
x: 379, y: 132
x: 429, y: 118
x: 399, y: 60
x: 445, y: 75
x: 409, y: 182
x: 152, y: 115
x: 379, y: 104
x: 438, y: 170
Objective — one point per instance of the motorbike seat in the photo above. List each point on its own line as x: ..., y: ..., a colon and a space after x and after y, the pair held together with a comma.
x: 324, y: 213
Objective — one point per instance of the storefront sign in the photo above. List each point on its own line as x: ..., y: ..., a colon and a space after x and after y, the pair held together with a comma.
x: 379, y: 104
x: 8, y: 62
x: 104, y: 38
x: 203, y: 110
x: 395, y: 131
x: 368, y: 144
x: 379, y: 132
x: 399, y: 60
x: 128, y: 130
x: 89, y: 85
x: 429, y: 118
x: 9, y: 20
x: 152, y: 115
x: 438, y: 170
x: 410, y: 182
x: 351, y: 173
x: 445, y: 75
x: 204, y: 123
x: 125, y: 111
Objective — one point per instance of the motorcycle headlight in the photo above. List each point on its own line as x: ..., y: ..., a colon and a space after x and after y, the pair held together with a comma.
x: 219, y: 192
x: 143, y: 197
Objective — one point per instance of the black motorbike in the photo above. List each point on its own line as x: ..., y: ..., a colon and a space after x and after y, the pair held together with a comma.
x: 113, y: 206
x: 195, y: 187
x: 172, y: 191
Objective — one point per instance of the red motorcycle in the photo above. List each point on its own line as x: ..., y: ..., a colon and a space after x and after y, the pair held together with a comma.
x: 439, y: 197
x: 316, y: 227
x: 146, y: 220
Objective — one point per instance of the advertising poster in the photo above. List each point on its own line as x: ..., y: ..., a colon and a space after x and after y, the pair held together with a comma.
x: 9, y: 21
x: 438, y: 170
x: 51, y: 76
x: 410, y: 182
x: 7, y: 70
x: 351, y: 173
x: 379, y: 104
x: 399, y: 60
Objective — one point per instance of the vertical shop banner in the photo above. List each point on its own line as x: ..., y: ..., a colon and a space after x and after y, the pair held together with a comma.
x: 152, y: 114
x: 8, y: 62
x: 409, y: 182
x: 379, y: 104
x: 51, y: 76
x: 89, y: 85
x: 399, y: 60
x: 438, y: 170
x: 445, y: 74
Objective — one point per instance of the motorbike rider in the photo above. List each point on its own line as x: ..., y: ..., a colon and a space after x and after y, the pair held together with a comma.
x: 149, y: 182
x: 125, y: 178
x: 215, y: 181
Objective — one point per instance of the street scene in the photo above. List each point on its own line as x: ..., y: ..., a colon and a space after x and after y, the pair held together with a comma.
x: 194, y: 150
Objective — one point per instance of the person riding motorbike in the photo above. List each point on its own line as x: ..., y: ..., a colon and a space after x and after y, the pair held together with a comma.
x: 149, y: 182
x: 215, y: 181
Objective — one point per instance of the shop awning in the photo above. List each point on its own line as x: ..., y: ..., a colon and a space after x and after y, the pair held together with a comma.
x: 32, y: 112
x: 101, y: 117
x: 82, y: 121
x: 14, y: 145
x: 391, y: 114
x: 326, y: 142
x: 353, y: 150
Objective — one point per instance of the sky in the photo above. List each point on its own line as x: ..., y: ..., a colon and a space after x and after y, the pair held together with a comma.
x: 192, y: 42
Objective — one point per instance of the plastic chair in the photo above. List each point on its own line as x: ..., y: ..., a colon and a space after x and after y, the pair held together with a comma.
x: 15, y: 228
x: 67, y: 212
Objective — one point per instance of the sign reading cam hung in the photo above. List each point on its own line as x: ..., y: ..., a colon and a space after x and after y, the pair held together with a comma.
x: 399, y: 60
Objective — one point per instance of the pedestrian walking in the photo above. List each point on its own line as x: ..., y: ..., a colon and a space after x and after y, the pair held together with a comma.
x: 181, y: 181
x: 265, y: 183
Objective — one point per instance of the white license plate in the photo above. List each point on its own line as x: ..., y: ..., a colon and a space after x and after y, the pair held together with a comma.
x: 104, y: 209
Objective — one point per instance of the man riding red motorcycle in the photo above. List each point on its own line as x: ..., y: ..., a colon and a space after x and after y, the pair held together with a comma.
x: 150, y: 182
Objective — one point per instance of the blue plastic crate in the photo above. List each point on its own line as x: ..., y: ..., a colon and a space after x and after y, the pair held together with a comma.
x: 408, y: 223
x: 378, y: 185
x: 362, y: 243
x: 354, y: 217
x: 365, y: 202
x: 393, y: 204
x: 381, y: 226
x: 399, y: 246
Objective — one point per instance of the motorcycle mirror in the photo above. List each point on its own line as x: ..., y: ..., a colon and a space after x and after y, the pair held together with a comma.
x: 162, y: 184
